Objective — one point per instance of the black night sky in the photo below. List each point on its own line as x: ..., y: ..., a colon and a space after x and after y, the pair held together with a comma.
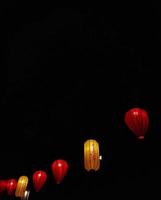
x: 69, y: 74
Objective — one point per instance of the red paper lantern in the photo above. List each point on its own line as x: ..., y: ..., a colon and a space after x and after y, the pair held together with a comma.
x: 39, y: 179
x: 3, y: 185
x: 59, y: 170
x: 11, y: 186
x: 137, y: 121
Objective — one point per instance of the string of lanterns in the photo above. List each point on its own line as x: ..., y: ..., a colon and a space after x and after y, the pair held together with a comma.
x: 136, y: 119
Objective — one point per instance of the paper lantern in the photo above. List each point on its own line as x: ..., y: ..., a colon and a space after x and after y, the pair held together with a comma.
x: 59, y: 169
x: 91, y: 155
x: 26, y: 195
x: 137, y: 120
x: 21, y: 186
x: 3, y: 185
x: 11, y: 186
x: 39, y: 179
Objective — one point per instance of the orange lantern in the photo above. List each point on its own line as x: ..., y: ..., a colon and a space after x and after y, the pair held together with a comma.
x: 91, y: 155
x: 21, y: 186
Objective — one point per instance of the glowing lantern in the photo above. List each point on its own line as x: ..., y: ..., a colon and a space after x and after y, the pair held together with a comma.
x: 91, y: 155
x: 137, y: 121
x: 59, y: 169
x: 39, y: 179
x: 21, y: 186
x: 26, y: 195
x: 3, y: 185
x: 11, y: 186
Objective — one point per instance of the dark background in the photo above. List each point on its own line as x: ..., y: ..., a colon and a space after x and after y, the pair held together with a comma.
x: 70, y: 74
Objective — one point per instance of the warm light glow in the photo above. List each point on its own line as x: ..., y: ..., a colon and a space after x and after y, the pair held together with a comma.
x: 39, y: 174
x: 92, y: 147
x: 21, y: 186
x: 141, y: 137
x: 26, y: 195
x: 91, y: 155
x: 100, y: 157
x: 135, y: 113
x: 59, y: 164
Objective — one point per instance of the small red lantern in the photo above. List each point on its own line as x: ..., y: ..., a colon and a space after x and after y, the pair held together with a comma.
x: 137, y: 121
x: 3, y: 185
x: 59, y: 170
x: 39, y: 179
x: 11, y: 186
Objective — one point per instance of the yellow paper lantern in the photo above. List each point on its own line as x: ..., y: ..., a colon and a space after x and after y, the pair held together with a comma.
x: 91, y: 155
x: 21, y: 186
